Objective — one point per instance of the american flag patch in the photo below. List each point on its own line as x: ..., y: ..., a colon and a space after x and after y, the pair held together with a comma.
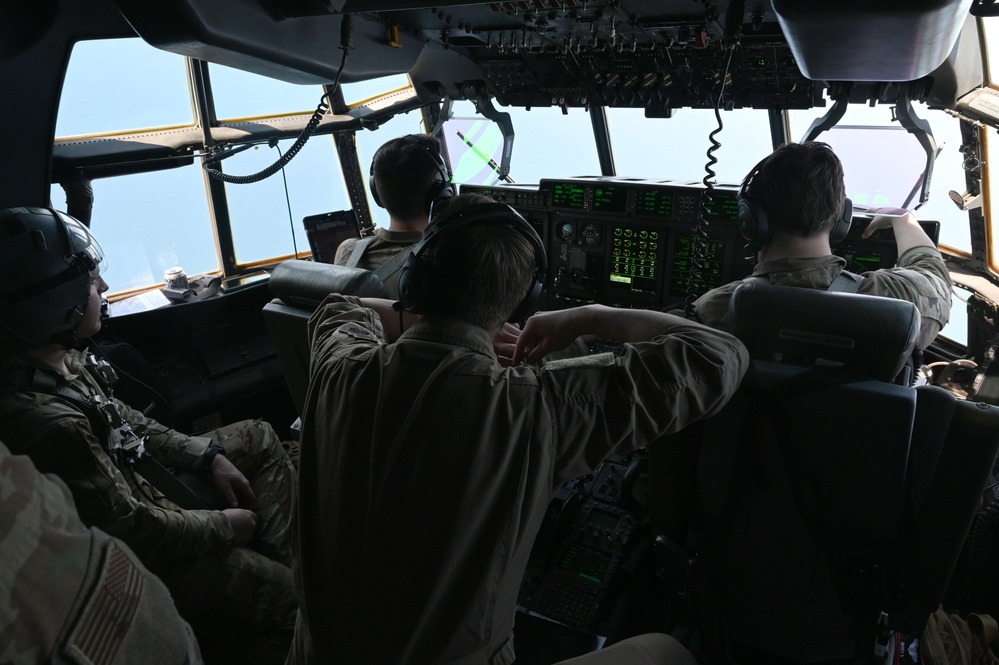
x: 108, y: 615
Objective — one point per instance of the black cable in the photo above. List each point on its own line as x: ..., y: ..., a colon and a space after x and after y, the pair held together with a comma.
x: 307, y: 131
x: 699, y: 240
x: 287, y: 198
x: 164, y: 402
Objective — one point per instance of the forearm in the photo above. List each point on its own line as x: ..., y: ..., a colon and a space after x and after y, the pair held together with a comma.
x: 105, y: 499
x: 909, y: 234
x: 623, y: 325
x: 546, y: 332
x: 165, y: 444
x: 163, y: 534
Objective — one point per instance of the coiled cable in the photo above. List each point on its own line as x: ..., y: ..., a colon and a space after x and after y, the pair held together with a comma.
x: 307, y: 131
x: 699, y: 239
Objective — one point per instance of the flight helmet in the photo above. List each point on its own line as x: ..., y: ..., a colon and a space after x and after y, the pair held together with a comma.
x: 46, y: 263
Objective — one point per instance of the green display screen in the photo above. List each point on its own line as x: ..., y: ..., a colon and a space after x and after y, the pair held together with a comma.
x: 568, y: 195
x: 654, y: 203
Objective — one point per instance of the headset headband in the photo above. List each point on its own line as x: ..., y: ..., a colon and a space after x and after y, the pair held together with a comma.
x: 754, y: 220
x: 440, y: 187
x: 415, y: 286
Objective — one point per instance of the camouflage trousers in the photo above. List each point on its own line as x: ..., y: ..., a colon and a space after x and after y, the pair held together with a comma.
x: 245, y: 596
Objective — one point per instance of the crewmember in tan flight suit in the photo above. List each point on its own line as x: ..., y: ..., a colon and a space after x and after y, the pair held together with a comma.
x: 75, y: 594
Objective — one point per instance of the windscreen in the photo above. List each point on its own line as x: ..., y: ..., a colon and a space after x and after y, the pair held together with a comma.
x: 889, y: 175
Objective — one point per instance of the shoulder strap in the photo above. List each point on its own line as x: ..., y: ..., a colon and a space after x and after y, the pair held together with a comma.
x: 358, y: 251
x: 846, y: 282
x: 393, y: 265
x: 32, y: 379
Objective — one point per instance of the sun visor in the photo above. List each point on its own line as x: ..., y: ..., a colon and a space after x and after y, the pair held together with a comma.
x: 244, y: 35
x: 870, y: 40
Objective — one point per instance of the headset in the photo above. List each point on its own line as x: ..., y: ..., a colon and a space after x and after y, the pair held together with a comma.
x: 754, y: 222
x: 440, y: 188
x: 416, y: 280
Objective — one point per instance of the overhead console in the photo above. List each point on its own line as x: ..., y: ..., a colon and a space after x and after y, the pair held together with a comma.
x: 635, y: 243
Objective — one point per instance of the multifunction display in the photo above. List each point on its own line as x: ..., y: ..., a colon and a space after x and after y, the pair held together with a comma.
x: 610, y: 198
x: 634, y: 258
x: 569, y: 195
x: 712, y: 266
x: 654, y: 203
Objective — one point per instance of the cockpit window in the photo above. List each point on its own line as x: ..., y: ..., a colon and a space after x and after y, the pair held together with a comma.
x: 547, y: 143
x: 947, y: 176
x: 354, y: 93
x: 149, y: 222
x: 117, y: 85
x: 990, y: 32
x: 266, y: 216
x: 240, y: 94
x: 676, y: 148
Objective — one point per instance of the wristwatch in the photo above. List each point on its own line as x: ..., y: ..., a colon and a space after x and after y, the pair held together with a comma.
x: 210, y: 453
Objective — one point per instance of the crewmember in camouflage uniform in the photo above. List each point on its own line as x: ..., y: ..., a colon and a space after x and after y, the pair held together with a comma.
x: 72, y: 593
x: 407, y: 175
x: 228, y: 570
x: 800, y: 187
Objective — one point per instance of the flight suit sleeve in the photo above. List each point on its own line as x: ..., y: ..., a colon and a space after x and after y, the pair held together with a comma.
x: 167, y: 445
x: 61, y: 442
x: 61, y: 577
x: 341, y: 321
x: 604, y: 404
x: 920, y: 277
x: 712, y: 307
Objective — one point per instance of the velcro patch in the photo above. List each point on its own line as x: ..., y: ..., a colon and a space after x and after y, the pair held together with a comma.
x: 357, y: 331
x: 110, y: 610
x: 595, y: 360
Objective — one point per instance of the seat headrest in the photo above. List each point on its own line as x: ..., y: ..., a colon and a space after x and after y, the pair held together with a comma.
x: 867, y: 336
x: 306, y: 284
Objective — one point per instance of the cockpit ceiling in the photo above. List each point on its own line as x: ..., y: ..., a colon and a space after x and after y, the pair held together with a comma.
x: 657, y: 55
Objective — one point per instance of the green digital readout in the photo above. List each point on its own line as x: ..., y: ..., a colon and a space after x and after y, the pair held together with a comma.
x: 610, y: 198
x: 724, y: 207
x: 711, y: 271
x: 568, y: 195
x: 635, y: 259
x: 654, y: 203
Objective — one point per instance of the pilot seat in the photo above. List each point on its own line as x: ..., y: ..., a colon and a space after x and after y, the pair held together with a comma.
x: 823, y: 510
x: 298, y: 288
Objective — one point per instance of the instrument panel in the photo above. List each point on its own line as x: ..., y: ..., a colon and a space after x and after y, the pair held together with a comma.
x: 630, y: 242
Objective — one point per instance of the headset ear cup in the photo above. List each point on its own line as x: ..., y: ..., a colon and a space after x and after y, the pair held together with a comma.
x: 747, y: 219
x: 753, y: 223
x: 440, y: 188
x: 409, y: 290
x: 843, y: 224
x: 416, y: 291
x: 372, y: 188
x: 527, y: 304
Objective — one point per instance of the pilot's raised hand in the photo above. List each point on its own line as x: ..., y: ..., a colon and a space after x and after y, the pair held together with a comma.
x: 232, y: 483
x: 504, y: 343
x: 243, y: 523
x: 546, y: 332
x: 884, y: 218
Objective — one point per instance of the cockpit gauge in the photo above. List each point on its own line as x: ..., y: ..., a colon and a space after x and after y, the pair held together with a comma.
x: 590, y: 234
x: 568, y: 232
